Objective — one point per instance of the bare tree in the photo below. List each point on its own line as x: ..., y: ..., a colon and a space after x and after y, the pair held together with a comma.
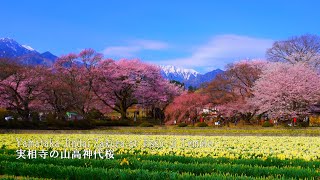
x: 305, y: 48
x: 232, y: 89
x: 236, y: 82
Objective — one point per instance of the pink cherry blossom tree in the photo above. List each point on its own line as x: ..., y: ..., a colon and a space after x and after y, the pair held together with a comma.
x: 286, y: 89
x: 122, y: 84
x: 69, y: 87
x: 187, y: 105
x: 21, y: 90
x: 81, y: 82
x: 56, y: 95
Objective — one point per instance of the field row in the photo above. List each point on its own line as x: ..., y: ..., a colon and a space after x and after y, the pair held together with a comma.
x: 232, y: 147
x: 10, y: 155
x: 136, y: 167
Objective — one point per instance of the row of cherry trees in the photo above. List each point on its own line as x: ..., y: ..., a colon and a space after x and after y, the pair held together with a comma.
x: 249, y: 88
x: 82, y: 82
x: 288, y: 83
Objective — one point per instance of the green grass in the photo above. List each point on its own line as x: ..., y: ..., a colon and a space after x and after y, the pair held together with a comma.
x: 8, y: 177
x: 10, y: 155
x: 252, y: 170
x: 175, y: 130
x: 158, y: 167
x: 72, y: 172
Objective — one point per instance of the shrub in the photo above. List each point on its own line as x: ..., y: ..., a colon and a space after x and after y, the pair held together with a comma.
x: 267, y: 124
x: 201, y: 124
x: 114, y: 123
x: 3, y: 114
x: 94, y: 114
x: 100, y: 122
x: 3, y: 123
x: 83, y: 124
x: 35, y: 116
x: 182, y: 125
x: 146, y: 124
x: 286, y: 125
x: 56, y: 123
x: 71, y: 124
x: 303, y: 124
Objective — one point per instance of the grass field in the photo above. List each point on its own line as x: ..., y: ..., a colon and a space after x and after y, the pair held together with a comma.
x: 173, y: 130
x: 165, y: 153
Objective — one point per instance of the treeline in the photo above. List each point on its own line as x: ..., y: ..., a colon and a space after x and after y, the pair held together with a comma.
x: 284, y: 86
x: 82, y: 83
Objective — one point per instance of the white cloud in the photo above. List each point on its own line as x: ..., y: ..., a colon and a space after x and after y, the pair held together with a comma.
x: 150, y: 44
x: 134, y: 47
x: 221, y: 50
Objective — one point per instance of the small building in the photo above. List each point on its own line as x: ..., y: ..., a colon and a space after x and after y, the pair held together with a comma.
x: 212, y: 111
x: 314, y: 119
x: 132, y: 112
x: 73, y: 116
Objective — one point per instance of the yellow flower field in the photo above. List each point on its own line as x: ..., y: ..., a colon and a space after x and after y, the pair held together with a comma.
x: 234, y: 147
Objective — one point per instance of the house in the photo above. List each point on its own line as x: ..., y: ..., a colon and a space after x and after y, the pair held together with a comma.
x: 209, y: 113
x: 314, y: 111
x: 132, y: 112
x: 213, y: 111
x: 73, y: 116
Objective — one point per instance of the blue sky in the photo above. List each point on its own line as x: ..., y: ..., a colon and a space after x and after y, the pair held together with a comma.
x: 199, y: 34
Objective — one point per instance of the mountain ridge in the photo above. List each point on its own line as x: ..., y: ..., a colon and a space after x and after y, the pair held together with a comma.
x: 189, y: 77
x: 9, y: 48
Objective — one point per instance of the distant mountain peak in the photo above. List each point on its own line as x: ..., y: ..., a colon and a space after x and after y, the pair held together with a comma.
x: 49, y: 55
x: 9, y: 48
x: 178, y: 71
x: 189, y: 77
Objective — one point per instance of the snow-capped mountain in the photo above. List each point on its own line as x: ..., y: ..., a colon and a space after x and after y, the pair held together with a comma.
x: 203, y: 78
x: 9, y: 48
x: 189, y: 77
x: 173, y: 72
